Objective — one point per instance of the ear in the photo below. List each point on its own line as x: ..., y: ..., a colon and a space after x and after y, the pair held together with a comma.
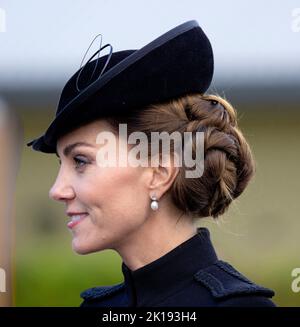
x: 162, y: 178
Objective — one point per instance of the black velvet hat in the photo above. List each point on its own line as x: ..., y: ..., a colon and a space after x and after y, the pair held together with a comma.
x: 176, y: 63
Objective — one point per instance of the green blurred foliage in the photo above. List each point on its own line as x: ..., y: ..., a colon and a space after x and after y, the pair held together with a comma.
x: 259, y: 234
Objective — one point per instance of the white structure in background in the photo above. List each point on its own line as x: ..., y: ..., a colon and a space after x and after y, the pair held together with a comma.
x: 2, y: 20
x: 295, y: 26
x: 2, y: 281
x: 8, y: 147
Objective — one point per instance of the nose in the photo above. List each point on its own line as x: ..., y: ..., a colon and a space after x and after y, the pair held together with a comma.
x: 61, y: 190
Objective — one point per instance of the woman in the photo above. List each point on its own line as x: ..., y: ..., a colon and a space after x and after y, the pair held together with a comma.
x: 147, y: 212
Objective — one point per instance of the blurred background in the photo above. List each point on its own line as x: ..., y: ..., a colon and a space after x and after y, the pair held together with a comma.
x: 257, y: 49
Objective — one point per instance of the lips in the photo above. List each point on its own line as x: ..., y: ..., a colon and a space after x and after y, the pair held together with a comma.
x: 76, y: 218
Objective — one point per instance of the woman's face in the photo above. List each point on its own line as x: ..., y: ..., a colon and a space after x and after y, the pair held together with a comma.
x: 105, y: 205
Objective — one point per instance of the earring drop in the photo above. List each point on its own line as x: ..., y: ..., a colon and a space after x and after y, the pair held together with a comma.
x: 154, y: 203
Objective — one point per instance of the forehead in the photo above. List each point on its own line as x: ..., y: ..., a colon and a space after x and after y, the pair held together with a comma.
x: 84, y: 134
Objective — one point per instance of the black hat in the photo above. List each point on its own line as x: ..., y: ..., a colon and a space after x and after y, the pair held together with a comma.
x: 176, y: 63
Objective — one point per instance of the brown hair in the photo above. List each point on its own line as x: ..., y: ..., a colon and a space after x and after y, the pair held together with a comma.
x: 228, y: 162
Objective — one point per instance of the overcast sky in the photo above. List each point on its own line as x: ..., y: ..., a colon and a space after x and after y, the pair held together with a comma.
x: 44, y: 41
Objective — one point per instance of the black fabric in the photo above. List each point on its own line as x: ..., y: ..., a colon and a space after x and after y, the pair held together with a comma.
x: 177, y: 63
x: 189, y: 275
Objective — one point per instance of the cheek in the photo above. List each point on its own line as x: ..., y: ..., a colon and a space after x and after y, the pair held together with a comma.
x: 118, y: 204
x: 115, y: 195
x: 126, y: 191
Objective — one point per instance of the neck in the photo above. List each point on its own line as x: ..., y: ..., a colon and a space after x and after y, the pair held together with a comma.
x: 162, y: 231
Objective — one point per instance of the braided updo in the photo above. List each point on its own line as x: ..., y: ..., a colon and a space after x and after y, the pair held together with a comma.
x: 228, y: 162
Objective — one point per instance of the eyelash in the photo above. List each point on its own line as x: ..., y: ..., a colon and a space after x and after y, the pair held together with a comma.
x: 79, y: 163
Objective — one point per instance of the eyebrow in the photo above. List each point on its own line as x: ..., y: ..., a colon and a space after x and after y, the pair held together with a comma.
x: 68, y: 149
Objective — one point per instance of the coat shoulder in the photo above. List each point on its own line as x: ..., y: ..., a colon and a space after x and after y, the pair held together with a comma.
x: 230, y: 288
x: 97, y: 295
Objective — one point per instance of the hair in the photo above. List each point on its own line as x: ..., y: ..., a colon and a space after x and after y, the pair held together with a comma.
x: 228, y: 161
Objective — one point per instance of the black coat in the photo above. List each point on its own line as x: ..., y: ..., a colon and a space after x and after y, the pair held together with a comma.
x: 190, y: 275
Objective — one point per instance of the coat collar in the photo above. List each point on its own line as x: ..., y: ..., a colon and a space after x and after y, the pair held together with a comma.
x: 151, y: 284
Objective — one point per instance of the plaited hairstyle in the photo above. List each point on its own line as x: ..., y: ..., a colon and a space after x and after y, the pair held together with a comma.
x: 228, y: 161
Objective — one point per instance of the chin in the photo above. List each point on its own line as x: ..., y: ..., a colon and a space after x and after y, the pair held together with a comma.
x: 83, y: 248
x: 80, y: 248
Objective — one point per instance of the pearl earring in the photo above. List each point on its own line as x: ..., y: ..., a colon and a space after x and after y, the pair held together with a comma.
x: 154, y: 203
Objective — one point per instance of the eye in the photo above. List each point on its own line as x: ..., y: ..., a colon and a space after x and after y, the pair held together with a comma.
x: 80, y: 162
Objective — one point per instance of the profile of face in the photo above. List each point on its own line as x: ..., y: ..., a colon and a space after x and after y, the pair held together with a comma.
x: 106, y: 205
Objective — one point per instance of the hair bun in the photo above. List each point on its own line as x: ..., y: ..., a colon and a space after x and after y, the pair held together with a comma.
x: 228, y: 161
